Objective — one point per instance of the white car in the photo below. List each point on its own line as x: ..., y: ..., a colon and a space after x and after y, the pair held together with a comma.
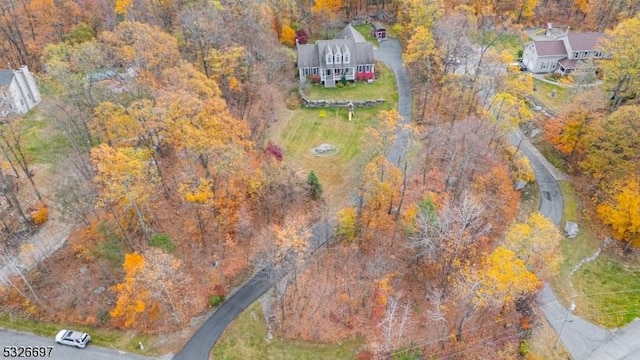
x: 78, y: 339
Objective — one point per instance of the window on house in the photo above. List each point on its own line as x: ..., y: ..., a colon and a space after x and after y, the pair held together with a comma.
x: 338, y: 59
x: 360, y: 68
x: 575, y: 55
x: 329, y: 58
x: 305, y: 71
x: 346, y: 58
x: 315, y: 71
x: 367, y: 68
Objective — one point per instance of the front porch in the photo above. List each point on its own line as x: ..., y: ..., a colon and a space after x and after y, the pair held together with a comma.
x: 329, y: 77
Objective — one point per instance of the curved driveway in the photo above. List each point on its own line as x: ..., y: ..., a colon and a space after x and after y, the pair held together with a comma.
x: 579, y: 336
x: 201, y: 344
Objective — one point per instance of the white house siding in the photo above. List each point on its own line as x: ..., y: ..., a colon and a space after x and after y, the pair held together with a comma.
x: 529, y: 56
x: 22, y: 90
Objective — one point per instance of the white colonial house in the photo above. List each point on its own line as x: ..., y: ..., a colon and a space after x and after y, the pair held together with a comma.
x: 564, y: 54
x: 349, y: 55
x: 18, y: 91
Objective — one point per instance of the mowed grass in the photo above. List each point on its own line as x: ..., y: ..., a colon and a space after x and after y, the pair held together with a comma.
x: 365, y: 30
x: 41, y: 141
x: 101, y: 337
x: 245, y: 339
x: 606, y: 293
x: 384, y: 87
x: 306, y: 129
x: 544, y: 93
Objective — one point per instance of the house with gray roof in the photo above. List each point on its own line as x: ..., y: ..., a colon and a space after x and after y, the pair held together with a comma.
x: 349, y: 55
x: 565, y: 53
x: 18, y: 91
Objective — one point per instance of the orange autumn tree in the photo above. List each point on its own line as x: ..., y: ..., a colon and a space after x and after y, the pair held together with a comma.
x: 131, y: 297
x: 623, y: 214
x: 288, y: 36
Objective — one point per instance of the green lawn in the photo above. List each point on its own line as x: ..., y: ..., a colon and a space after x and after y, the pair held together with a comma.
x: 306, y: 129
x: 301, y: 130
x: 365, y: 30
x: 544, y: 93
x: 42, y: 142
x: 102, y: 337
x: 505, y: 42
x: 606, y: 292
x: 245, y: 339
x: 383, y: 88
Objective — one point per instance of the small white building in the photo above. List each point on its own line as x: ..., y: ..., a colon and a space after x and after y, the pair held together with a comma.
x: 564, y: 53
x: 18, y: 91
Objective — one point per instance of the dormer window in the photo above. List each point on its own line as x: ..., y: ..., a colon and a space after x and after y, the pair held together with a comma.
x: 338, y: 58
x: 346, y: 57
x: 329, y: 57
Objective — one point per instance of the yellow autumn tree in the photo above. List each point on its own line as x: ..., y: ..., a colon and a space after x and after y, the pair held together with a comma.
x: 348, y: 223
x: 131, y: 297
x: 623, y: 214
x: 113, y: 124
x: 122, y: 6
x: 537, y: 243
x: 288, y: 36
x: 327, y: 7
x: 380, y: 192
x: 502, y: 279
x: 126, y: 181
x: 519, y: 165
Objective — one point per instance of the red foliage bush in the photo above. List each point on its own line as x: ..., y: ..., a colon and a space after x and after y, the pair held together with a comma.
x: 302, y: 36
x: 315, y: 79
x: 274, y: 150
x: 364, y: 76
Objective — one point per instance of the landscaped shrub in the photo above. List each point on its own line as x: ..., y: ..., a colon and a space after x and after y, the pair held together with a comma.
x: 343, y: 80
x: 364, y: 76
x: 315, y: 79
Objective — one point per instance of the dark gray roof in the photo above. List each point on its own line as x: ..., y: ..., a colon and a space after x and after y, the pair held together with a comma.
x: 568, y: 63
x: 378, y: 26
x: 308, y: 55
x: 550, y: 48
x: 350, y: 33
x: 584, y: 41
x: 313, y: 55
x: 6, y: 77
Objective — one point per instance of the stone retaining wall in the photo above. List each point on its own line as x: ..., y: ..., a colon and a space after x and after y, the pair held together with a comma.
x: 337, y: 103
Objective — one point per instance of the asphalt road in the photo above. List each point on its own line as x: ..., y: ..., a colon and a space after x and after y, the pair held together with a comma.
x: 61, y: 352
x: 390, y: 52
x: 582, y: 339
